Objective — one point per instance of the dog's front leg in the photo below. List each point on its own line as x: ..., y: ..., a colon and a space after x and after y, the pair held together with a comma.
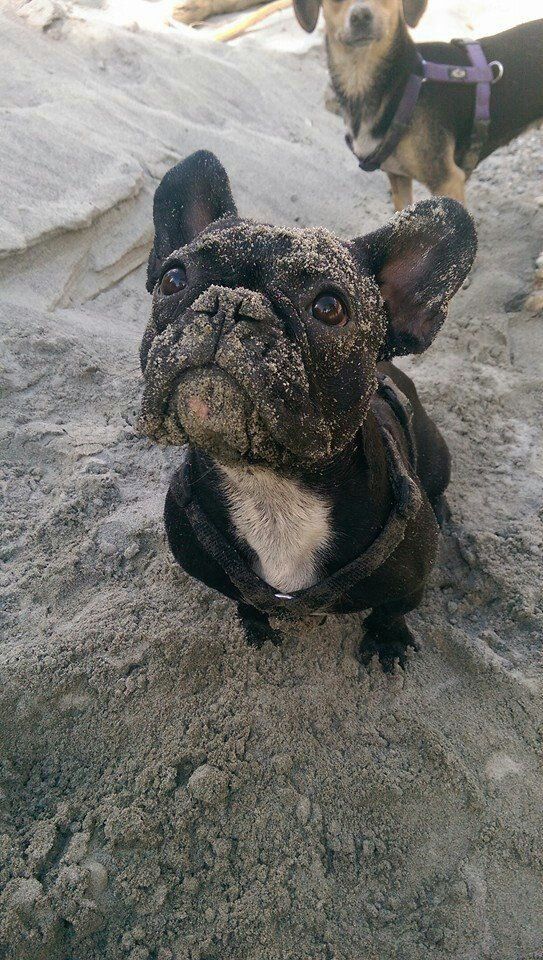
x: 402, y: 190
x: 387, y: 633
x: 453, y: 186
x: 257, y: 626
x: 451, y: 179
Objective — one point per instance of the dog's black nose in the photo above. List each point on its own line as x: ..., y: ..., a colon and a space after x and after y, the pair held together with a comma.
x: 361, y: 20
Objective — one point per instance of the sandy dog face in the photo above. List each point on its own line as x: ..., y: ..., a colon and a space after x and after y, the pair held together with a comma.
x: 263, y: 342
x: 358, y: 23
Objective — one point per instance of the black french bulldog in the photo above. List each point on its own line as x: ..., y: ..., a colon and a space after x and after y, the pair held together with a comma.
x: 313, y: 477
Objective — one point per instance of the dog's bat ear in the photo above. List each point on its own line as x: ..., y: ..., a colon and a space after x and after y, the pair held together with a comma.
x: 413, y: 11
x: 307, y: 13
x: 419, y: 259
x: 193, y: 194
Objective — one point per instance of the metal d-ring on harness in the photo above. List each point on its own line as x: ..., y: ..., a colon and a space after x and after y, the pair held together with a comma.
x: 322, y: 595
x: 479, y: 72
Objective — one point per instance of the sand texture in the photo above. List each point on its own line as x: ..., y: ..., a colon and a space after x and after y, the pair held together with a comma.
x: 166, y: 792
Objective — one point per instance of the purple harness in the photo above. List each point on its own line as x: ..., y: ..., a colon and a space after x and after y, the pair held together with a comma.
x: 480, y: 73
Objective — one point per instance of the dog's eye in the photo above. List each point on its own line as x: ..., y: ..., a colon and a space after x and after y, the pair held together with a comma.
x: 173, y: 281
x: 328, y: 308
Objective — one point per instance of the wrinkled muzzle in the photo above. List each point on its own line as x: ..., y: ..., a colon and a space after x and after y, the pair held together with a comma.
x: 226, y: 376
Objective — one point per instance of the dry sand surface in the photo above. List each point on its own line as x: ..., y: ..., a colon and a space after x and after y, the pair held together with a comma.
x: 166, y: 792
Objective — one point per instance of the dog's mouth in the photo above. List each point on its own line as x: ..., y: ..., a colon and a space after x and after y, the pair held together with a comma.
x: 355, y: 42
x: 235, y: 385
x: 209, y: 409
x: 353, y: 39
x: 213, y: 412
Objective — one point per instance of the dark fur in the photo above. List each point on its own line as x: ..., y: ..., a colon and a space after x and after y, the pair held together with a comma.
x: 358, y: 486
x: 438, y: 234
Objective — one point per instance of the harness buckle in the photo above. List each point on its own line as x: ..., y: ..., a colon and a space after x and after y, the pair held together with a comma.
x: 499, y: 70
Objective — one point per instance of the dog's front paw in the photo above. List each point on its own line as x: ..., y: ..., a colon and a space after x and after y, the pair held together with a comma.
x: 257, y: 627
x: 258, y: 634
x: 390, y: 643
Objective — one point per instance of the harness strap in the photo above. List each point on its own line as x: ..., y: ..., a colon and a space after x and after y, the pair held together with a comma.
x: 403, y: 411
x: 481, y: 116
x: 399, y: 126
x: 321, y: 596
x: 480, y: 73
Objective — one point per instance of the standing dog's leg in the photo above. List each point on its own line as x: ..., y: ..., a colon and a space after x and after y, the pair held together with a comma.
x: 402, y: 190
x: 454, y: 186
x: 451, y: 181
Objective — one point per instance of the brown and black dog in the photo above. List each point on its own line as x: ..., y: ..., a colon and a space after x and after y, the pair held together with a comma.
x: 370, y: 57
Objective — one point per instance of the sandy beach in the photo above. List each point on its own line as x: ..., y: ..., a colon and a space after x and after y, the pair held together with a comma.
x: 166, y: 791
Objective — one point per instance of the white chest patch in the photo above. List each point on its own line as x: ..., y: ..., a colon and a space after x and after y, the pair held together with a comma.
x: 365, y: 143
x: 287, y: 526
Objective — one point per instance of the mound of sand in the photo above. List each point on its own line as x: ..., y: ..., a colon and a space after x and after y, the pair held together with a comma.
x: 167, y: 793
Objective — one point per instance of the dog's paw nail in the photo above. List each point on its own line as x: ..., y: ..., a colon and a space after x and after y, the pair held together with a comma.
x: 388, y: 652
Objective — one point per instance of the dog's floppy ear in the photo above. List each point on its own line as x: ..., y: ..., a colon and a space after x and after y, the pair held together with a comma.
x: 307, y: 13
x: 419, y: 259
x: 413, y: 11
x: 189, y: 197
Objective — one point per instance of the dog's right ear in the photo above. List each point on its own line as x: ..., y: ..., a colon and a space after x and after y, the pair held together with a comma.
x: 193, y: 194
x: 307, y: 13
x: 413, y: 11
x: 419, y: 259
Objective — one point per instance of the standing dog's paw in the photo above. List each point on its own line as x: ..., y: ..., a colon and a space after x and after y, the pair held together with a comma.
x: 390, y: 643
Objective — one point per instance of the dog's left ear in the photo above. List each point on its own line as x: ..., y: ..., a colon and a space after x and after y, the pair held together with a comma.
x: 413, y: 11
x: 307, y: 13
x: 193, y: 194
x: 419, y: 260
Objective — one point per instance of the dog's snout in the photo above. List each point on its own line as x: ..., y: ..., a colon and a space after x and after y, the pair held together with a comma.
x: 234, y: 304
x: 360, y: 20
x: 253, y: 307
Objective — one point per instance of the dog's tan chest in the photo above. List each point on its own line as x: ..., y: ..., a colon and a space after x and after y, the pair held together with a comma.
x: 287, y: 526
